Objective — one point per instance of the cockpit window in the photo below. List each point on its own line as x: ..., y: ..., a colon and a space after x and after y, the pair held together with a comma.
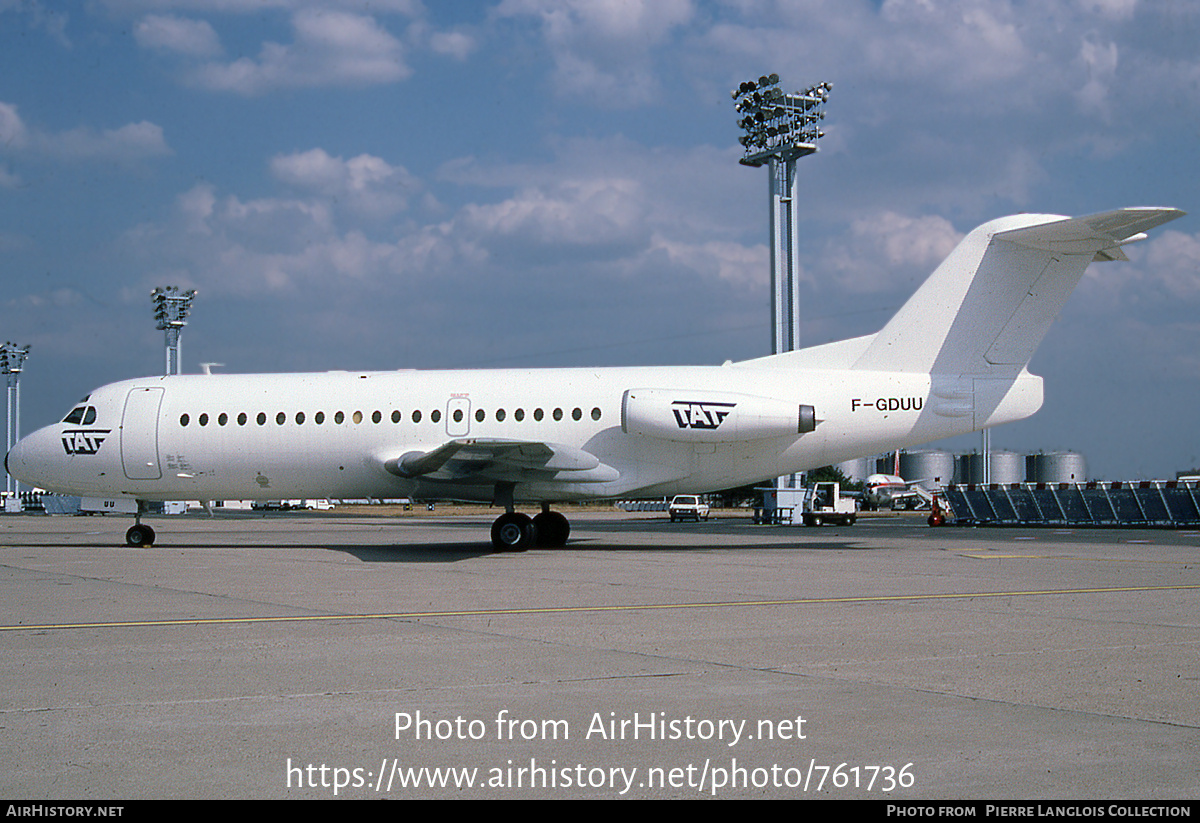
x: 81, y: 414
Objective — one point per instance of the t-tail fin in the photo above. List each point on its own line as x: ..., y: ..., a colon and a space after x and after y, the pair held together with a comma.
x: 986, y: 308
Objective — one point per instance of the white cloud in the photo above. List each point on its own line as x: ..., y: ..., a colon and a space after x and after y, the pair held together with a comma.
x: 51, y: 20
x: 196, y: 206
x: 366, y: 184
x: 195, y: 38
x: 1101, y: 62
x: 744, y: 266
x: 130, y: 142
x: 910, y: 241
x: 958, y: 44
x: 605, y: 211
x: 887, y: 251
x: 604, y: 48
x: 1113, y: 9
x: 331, y: 48
x: 583, y: 220
x: 456, y: 44
x: 1173, y: 259
x: 228, y: 245
x: 13, y: 134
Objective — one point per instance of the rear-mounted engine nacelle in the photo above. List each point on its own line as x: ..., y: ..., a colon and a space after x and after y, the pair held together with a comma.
x: 711, y: 417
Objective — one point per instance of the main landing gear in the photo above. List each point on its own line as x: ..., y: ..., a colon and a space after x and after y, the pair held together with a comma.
x: 515, y: 531
x: 139, y: 536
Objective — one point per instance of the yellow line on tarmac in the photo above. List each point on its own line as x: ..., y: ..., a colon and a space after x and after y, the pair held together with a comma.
x: 884, y: 598
x: 994, y: 556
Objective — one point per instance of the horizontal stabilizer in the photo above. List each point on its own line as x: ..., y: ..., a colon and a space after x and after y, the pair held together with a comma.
x: 1097, y: 234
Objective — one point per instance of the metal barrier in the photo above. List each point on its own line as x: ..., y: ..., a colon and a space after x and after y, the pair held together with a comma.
x: 1145, y: 503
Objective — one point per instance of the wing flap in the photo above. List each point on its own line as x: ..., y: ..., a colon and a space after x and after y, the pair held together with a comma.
x: 516, y: 461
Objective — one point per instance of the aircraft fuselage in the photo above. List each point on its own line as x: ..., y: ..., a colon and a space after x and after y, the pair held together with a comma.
x: 332, y: 434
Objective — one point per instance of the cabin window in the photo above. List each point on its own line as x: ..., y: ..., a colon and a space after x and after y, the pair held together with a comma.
x: 537, y: 415
x: 479, y: 415
x: 416, y: 415
x: 458, y: 415
x: 241, y: 418
x: 558, y: 414
x: 280, y: 418
x: 577, y: 414
x: 376, y: 416
x: 262, y: 418
x: 596, y: 414
x: 222, y: 419
x: 396, y: 416
x: 319, y: 418
x: 183, y: 420
x: 203, y: 420
x: 299, y: 418
x: 435, y: 415
x: 519, y: 415
x: 338, y: 417
x: 500, y: 415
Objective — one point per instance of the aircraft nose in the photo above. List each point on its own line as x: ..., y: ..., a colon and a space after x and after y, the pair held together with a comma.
x: 22, y: 460
x: 15, y: 459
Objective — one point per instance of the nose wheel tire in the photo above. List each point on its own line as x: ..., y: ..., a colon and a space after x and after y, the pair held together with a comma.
x: 139, y: 536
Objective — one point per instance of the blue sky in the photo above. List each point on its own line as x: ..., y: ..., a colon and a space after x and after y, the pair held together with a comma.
x: 396, y: 184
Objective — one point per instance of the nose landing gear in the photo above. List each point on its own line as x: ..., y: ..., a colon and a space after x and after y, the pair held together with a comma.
x: 139, y: 536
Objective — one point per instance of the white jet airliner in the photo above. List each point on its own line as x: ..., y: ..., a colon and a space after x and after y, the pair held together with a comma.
x: 952, y: 360
x: 882, y: 490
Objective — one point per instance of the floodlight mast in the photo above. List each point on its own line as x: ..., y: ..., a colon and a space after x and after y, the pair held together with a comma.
x: 170, y: 311
x: 780, y: 129
x: 12, y: 362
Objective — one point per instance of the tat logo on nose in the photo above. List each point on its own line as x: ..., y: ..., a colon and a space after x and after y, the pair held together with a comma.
x: 84, y: 441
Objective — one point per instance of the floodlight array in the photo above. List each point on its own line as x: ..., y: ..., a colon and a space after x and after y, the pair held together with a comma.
x: 777, y: 124
x: 12, y: 358
x: 171, y: 307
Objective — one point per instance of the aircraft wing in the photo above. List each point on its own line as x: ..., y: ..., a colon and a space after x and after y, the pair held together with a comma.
x: 496, y: 460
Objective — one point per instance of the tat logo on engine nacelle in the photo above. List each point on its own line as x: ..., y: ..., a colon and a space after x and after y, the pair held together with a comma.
x: 700, y: 415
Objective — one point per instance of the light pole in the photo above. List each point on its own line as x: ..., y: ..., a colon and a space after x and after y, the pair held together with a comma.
x: 171, y: 310
x: 12, y: 361
x: 780, y: 129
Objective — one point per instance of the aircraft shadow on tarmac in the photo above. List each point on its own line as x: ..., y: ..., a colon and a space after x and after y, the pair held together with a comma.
x: 453, y: 552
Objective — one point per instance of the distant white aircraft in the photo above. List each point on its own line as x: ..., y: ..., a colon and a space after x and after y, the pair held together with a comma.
x: 952, y: 360
x: 886, y: 490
